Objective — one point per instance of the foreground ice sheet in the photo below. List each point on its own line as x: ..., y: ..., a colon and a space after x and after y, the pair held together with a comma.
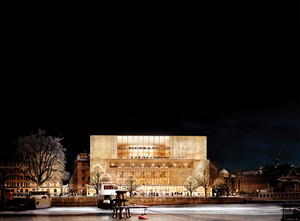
x: 227, y: 209
x: 237, y: 209
x: 228, y: 212
x: 60, y: 211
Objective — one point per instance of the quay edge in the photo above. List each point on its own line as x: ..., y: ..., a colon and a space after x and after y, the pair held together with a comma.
x: 92, y: 201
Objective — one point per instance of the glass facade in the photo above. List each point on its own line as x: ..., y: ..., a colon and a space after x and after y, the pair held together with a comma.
x: 159, y: 163
x: 143, y: 147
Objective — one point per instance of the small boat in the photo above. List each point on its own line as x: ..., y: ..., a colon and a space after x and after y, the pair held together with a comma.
x: 42, y: 199
x: 107, y: 196
x: 143, y: 217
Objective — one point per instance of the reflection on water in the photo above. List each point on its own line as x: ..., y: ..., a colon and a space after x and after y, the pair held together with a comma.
x: 235, y: 212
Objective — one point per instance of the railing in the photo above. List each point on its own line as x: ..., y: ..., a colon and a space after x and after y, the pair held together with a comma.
x: 279, y: 195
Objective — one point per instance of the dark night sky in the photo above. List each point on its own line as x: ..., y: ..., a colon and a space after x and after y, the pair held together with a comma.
x: 233, y: 78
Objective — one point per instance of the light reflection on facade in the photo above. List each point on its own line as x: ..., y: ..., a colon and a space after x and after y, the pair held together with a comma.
x: 160, y: 163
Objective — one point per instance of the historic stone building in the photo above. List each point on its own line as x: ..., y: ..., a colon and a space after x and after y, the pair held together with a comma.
x: 160, y: 163
x: 249, y: 182
x: 79, y: 181
x: 13, y: 179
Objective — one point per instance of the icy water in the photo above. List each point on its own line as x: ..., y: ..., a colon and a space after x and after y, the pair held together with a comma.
x: 236, y: 212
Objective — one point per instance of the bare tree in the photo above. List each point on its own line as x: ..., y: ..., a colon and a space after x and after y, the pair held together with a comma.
x: 191, y: 184
x: 217, y: 184
x: 205, y: 176
x: 98, y: 177
x: 213, y: 172
x: 227, y: 186
x: 131, y: 184
x: 44, y: 157
x: 222, y: 184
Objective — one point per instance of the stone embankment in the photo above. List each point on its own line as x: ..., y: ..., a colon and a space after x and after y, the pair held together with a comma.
x: 92, y: 201
x: 184, y: 200
x: 74, y: 201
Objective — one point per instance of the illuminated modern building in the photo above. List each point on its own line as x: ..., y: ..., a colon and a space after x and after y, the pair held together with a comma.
x: 161, y: 164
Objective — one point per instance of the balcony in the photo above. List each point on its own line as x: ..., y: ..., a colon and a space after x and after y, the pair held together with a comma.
x: 146, y: 165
